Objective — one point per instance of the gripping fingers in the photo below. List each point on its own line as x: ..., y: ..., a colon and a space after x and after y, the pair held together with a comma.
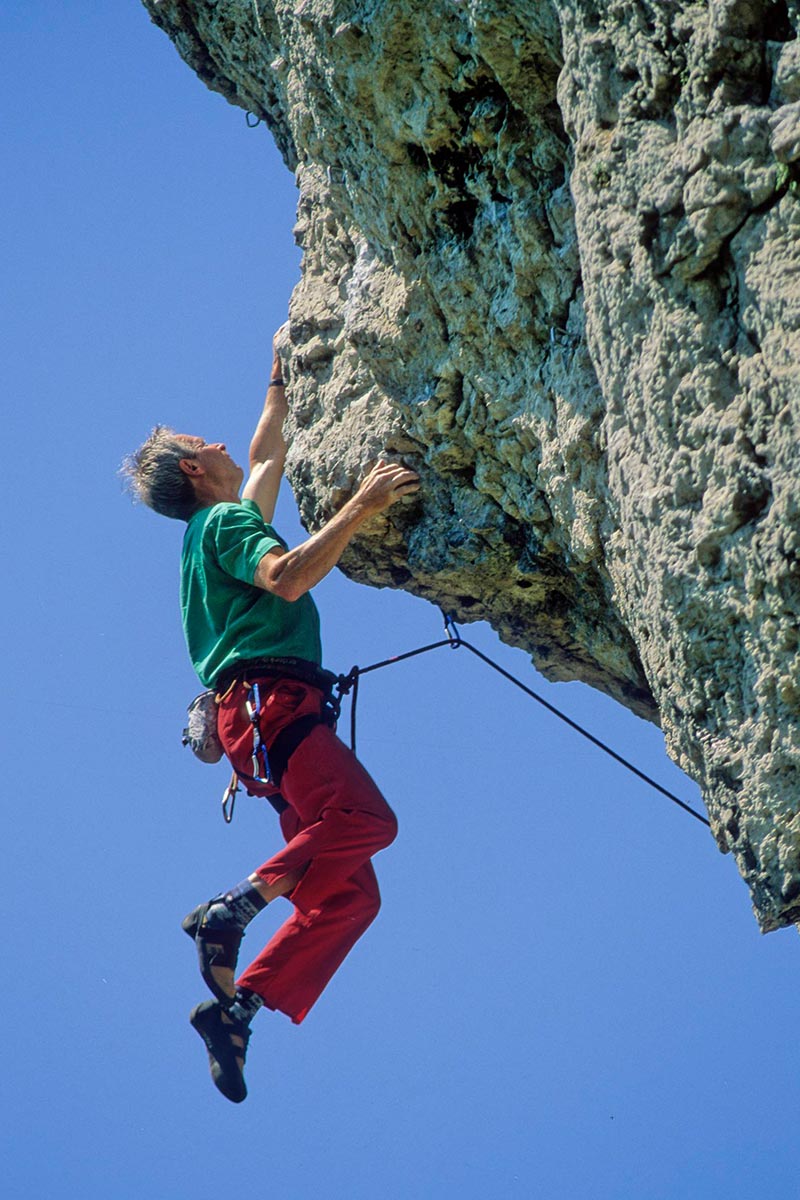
x: 388, y: 482
x: 408, y: 483
x: 404, y: 483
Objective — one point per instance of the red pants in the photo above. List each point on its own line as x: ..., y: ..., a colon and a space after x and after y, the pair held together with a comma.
x: 336, y: 820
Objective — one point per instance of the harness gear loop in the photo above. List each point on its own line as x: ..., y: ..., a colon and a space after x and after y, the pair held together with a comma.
x: 229, y: 798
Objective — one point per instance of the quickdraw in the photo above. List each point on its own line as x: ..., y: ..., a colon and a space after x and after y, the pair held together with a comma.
x: 253, y: 706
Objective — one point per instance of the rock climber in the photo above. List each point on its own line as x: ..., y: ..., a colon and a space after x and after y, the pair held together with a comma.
x: 253, y: 634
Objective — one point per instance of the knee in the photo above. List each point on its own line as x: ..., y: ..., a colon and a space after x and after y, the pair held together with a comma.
x: 370, y: 907
x: 386, y: 831
x: 360, y: 902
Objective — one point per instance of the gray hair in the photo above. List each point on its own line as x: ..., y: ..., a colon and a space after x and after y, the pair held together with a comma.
x: 153, y: 474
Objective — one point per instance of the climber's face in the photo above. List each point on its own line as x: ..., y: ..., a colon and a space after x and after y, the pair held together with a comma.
x: 210, y: 462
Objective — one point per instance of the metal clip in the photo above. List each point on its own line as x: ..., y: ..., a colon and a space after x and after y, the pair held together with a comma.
x: 451, y: 629
x: 229, y: 799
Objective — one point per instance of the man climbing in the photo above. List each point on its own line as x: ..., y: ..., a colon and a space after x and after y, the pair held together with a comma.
x: 252, y: 631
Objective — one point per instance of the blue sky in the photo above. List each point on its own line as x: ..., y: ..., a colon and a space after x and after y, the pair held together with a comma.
x: 565, y: 994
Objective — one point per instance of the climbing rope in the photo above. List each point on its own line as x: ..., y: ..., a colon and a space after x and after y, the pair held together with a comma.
x: 349, y: 683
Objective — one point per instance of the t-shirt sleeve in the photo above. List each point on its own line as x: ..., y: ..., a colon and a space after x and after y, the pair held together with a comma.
x: 240, y: 538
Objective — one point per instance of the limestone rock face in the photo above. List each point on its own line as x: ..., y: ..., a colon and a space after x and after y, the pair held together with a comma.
x: 551, y: 259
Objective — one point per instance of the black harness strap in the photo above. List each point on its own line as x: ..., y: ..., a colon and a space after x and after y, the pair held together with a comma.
x: 282, y: 749
x: 287, y: 742
x: 276, y: 668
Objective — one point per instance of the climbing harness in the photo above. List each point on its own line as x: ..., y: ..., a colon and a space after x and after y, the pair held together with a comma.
x: 268, y: 766
x: 454, y: 640
x: 266, y: 772
x: 277, y: 668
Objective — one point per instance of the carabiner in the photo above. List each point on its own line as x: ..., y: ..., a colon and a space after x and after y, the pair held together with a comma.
x: 229, y: 799
x: 253, y: 707
x: 451, y: 629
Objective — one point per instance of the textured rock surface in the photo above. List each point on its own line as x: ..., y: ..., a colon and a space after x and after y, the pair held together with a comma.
x: 551, y: 258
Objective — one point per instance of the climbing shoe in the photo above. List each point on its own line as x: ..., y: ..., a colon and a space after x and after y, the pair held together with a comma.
x: 217, y: 949
x: 225, y: 1057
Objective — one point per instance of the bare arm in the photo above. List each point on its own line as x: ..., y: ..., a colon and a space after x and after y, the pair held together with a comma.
x: 268, y: 447
x: 292, y: 573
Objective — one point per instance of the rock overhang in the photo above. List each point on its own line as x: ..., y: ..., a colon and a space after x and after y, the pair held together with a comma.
x: 549, y: 258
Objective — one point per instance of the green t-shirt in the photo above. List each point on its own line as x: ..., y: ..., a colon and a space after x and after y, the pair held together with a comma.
x: 225, y: 616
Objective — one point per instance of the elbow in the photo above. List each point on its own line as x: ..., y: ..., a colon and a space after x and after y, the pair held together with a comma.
x: 281, y: 584
x: 279, y: 574
x: 286, y: 590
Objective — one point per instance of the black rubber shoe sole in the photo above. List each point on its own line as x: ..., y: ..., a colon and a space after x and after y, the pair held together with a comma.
x: 206, y: 1019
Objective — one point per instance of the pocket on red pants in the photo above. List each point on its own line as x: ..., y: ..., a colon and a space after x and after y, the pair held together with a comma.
x: 286, y: 696
x: 282, y: 703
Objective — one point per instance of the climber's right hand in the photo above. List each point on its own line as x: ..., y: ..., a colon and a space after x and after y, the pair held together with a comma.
x: 385, y: 484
